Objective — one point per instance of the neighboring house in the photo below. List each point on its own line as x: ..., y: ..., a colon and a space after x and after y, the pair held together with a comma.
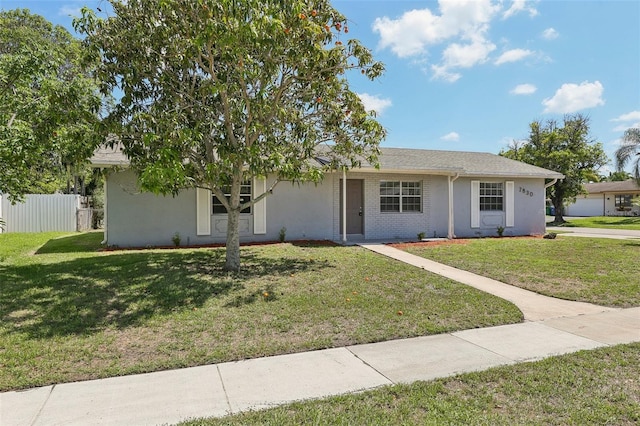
x: 606, y: 199
x: 438, y: 193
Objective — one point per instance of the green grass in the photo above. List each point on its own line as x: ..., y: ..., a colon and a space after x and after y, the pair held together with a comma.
x: 608, y: 222
x: 71, y: 313
x: 596, y: 270
x: 586, y: 388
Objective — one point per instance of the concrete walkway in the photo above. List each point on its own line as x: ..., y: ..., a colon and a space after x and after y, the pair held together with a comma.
x: 554, y: 327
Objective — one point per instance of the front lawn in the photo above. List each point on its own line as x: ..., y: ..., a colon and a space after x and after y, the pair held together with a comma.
x: 598, y: 387
x: 596, y: 270
x: 72, y: 313
x: 608, y: 222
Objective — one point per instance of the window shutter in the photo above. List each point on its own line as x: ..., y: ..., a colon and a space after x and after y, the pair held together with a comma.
x: 475, y: 204
x: 203, y: 211
x: 509, y: 204
x: 259, y: 208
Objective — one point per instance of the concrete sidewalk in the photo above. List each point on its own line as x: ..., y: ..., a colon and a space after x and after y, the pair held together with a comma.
x: 168, y: 397
x: 553, y: 327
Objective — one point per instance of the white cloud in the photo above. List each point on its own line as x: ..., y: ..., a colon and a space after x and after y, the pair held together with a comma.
x: 513, y: 55
x: 374, y: 103
x: 467, y: 55
x: 524, y: 89
x: 409, y: 35
x: 574, y: 97
x: 453, y: 136
x: 460, y: 28
x: 441, y: 72
x: 624, y: 127
x: 550, y: 34
x: 630, y: 116
x: 68, y: 10
x: 415, y: 30
x: 628, y: 120
x: 520, y: 6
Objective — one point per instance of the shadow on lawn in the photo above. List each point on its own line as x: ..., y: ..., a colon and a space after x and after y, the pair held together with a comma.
x: 82, y: 296
x: 77, y: 243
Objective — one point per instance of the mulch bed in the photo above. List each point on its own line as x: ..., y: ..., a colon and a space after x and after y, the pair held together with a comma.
x: 300, y: 243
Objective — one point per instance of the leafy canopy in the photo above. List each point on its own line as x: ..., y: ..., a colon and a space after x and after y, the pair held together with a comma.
x: 214, y: 90
x: 566, y: 148
x: 48, y: 103
x: 218, y: 91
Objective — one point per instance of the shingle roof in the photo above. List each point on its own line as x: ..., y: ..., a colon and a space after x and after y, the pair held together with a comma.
x: 622, y: 186
x: 465, y: 163
x: 480, y: 164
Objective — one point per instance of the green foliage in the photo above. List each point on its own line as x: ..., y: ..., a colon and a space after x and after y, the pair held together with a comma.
x: 282, y: 235
x: 48, y: 104
x: 567, y: 149
x: 629, y: 152
x: 618, y: 176
x: 218, y: 91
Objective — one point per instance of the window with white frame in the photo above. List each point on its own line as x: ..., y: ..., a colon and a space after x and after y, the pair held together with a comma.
x: 400, y: 197
x: 491, y: 196
x: 245, y: 196
x: 623, y: 200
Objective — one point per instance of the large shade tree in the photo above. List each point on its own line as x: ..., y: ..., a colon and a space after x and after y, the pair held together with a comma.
x: 566, y: 148
x: 215, y: 92
x: 49, y: 103
x: 629, y: 152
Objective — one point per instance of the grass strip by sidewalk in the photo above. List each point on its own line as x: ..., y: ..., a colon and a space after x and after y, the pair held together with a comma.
x: 607, y: 222
x: 595, y: 270
x: 70, y: 313
x: 595, y: 387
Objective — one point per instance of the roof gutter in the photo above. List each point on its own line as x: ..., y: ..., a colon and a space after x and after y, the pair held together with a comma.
x: 553, y: 182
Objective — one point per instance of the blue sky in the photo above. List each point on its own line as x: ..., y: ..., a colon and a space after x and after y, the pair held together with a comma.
x: 472, y: 74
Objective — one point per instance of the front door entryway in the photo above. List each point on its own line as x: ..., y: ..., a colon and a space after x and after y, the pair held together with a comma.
x: 355, y: 206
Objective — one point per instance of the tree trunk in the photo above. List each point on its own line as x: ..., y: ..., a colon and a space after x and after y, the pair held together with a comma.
x: 233, y: 241
x: 559, y: 215
x: 559, y: 207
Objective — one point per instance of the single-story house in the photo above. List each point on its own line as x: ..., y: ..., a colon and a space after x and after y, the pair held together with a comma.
x: 437, y: 193
x: 606, y: 199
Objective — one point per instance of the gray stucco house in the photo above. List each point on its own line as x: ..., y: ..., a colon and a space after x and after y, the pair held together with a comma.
x: 440, y: 193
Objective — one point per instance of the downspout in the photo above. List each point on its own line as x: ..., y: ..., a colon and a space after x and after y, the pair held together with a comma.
x: 344, y: 204
x: 553, y: 182
x: 450, y: 232
x: 104, y: 209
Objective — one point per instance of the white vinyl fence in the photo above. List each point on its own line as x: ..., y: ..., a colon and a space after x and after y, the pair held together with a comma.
x: 40, y: 213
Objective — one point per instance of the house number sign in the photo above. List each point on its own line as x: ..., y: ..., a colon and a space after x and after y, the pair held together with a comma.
x: 526, y: 192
